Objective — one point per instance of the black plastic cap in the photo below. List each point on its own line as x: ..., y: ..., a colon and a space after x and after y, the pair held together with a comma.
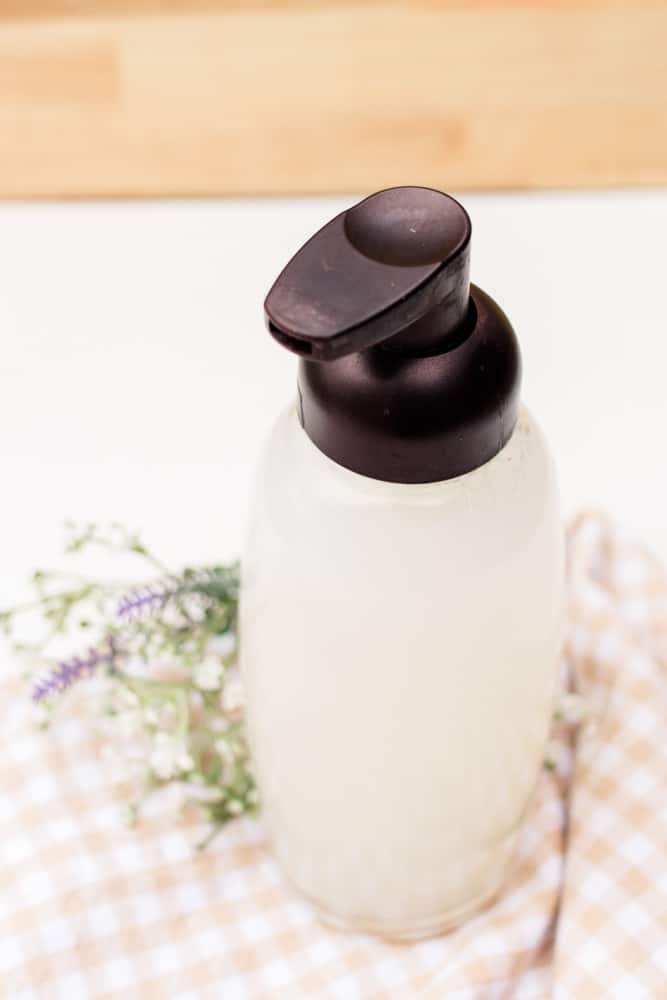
x: 408, y: 374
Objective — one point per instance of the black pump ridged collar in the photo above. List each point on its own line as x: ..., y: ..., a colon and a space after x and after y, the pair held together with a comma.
x: 407, y: 375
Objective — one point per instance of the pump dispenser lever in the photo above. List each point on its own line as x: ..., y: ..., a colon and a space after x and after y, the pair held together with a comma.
x: 393, y: 269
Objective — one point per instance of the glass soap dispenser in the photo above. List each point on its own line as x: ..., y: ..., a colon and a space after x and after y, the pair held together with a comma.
x: 402, y: 582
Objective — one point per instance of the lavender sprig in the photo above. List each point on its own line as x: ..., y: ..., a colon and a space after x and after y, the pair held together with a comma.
x: 213, y: 585
x: 69, y: 671
x: 140, y: 601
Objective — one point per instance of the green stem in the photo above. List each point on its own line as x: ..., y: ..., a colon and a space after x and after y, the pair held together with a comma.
x: 210, y: 836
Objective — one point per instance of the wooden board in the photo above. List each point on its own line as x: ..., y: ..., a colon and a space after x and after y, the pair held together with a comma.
x: 160, y: 97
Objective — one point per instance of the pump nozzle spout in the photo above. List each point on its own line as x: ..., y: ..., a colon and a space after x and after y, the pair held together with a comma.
x: 392, y: 270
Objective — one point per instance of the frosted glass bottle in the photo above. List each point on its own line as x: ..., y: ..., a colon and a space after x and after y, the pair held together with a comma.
x: 399, y: 645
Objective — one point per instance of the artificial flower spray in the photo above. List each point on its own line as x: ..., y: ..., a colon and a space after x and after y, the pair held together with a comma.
x: 402, y: 584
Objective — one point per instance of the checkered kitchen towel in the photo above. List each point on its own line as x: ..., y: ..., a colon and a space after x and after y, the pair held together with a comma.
x: 89, y: 909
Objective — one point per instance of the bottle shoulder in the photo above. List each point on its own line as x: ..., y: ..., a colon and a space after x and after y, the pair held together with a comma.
x: 291, y: 463
x: 302, y: 498
x: 310, y: 517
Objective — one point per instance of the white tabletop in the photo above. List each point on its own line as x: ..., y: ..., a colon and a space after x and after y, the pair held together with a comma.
x: 137, y: 381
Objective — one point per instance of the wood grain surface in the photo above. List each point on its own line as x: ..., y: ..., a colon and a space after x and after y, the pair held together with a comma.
x: 159, y: 97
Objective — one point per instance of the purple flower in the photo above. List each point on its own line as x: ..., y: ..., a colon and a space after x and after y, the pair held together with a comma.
x: 69, y: 671
x: 138, y: 601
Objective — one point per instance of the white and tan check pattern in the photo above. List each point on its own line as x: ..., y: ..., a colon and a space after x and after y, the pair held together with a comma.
x: 89, y: 909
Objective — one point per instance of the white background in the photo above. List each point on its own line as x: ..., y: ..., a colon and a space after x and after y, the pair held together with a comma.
x: 137, y: 381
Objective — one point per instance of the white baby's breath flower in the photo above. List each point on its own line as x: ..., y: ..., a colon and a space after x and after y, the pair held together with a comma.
x: 174, y: 799
x: 172, y: 615
x: 252, y: 798
x: 225, y: 751
x: 129, y: 724
x: 126, y: 697
x: 234, y: 807
x: 169, y: 756
x: 134, y: 666
x: 222, y: 645
x: 162, y: 715
x: 233, y: 698
x: 208, y: 674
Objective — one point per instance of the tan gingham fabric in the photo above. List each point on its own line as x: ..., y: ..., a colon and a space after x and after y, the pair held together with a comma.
x: 89, y: 909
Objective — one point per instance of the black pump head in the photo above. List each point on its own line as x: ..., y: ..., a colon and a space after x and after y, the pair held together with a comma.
x: 408, y: 373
